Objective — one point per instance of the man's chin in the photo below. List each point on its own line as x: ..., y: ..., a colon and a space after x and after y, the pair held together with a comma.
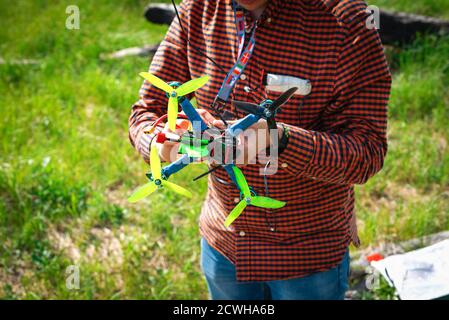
x: 251, y: 4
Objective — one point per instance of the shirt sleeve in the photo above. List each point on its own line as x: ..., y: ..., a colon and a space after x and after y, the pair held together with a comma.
x: 170, y: 64
x: 350, y: 144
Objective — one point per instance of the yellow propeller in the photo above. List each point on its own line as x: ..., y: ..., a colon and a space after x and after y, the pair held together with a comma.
x: 156, y: 181
x: 174, y: 93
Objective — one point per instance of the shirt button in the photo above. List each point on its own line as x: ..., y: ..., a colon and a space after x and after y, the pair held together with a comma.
x: 242, y: 233
x: 269, y: 20
x: 236, y: 200
x: 284, y: 165
x: 243, y: 77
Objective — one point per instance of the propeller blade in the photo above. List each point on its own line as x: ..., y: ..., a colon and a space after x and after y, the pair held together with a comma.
x: 271, y: 124
x: 191, y: 86
x: 194, y: 102
x: 155, y: 81
x: 178, y: 189
x: 155, y: 163
x: 172, y: 113
x: 248, y: 107
x: 265, y: 202
x: 142, y: 192
x: 235, y: 213
x: 283, y: 98
x: 241, y: 181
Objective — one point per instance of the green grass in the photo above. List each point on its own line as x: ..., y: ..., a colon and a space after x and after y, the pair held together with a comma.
x: 66, y: 166
x: 439, y: 8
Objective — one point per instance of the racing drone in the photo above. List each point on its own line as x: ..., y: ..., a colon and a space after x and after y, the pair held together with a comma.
x: 198, y: 143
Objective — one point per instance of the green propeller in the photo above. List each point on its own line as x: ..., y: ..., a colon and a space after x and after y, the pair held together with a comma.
x: 156, y: 181
x: 249, y: 199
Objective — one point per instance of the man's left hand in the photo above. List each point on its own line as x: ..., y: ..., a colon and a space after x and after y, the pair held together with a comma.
x: 253, y: 141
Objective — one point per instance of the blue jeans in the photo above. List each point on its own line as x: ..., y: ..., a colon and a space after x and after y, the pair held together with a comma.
x: 222, y: 283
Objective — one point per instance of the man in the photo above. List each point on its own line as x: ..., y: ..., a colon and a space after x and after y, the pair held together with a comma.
x: 334, y: 136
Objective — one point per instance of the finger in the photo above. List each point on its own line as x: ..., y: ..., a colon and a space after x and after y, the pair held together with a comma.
x: 167, y: 129
x: 170, y: 144
x: 182, y: 126
x: 206, y: 116
x: 168, y: 151
x: 212, y: 162
x: 218, y: 124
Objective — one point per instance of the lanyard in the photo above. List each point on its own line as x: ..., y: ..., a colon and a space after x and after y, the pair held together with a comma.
x: 243, y: 55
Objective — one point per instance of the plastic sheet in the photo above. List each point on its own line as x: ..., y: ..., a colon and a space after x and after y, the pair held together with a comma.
x: 418, y: 275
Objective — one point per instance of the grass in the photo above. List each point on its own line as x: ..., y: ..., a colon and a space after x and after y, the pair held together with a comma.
x: 438, y: 8
x: 410, y: 196
x: 66, y: 166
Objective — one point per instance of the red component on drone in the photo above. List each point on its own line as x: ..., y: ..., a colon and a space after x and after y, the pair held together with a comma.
x: 374, y: 257
x: 161, y: 137
x: 163, y: 118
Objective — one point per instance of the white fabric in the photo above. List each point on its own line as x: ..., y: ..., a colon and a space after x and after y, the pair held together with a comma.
x: 280, y: 83
x: 418, y: 275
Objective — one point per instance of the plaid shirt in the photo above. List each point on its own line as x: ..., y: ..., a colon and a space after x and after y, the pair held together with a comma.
x: 337, y: 133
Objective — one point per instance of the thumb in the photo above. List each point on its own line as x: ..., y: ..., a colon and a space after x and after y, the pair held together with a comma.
x: 219, y: 124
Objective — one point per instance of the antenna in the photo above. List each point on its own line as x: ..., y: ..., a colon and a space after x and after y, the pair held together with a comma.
x: 188, y: 41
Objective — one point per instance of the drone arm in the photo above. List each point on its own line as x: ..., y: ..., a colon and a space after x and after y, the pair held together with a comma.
x: 242, y: 124
x: 193, y: 116
x: 231, y: 173
x: 177, y: 166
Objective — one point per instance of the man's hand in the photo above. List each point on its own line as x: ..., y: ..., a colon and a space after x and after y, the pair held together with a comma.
x: 207, y: 117
x: 253, y: 141
x: 168, y: 151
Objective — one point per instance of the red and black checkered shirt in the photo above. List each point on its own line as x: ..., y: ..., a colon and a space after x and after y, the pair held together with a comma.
x: 337, y: 133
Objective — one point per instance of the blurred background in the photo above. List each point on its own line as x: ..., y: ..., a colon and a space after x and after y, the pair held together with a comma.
x: 66, y: 166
